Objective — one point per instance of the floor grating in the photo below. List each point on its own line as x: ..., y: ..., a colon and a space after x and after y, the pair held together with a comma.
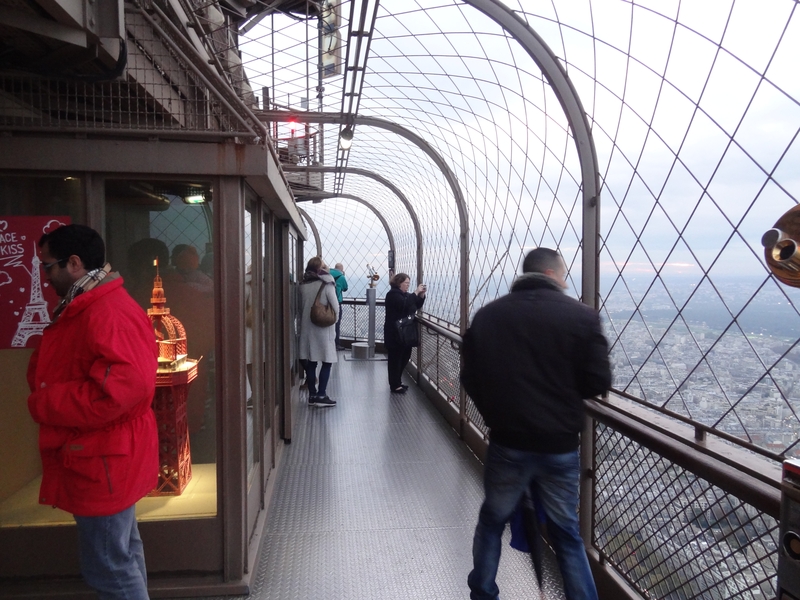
x: 377, y: 498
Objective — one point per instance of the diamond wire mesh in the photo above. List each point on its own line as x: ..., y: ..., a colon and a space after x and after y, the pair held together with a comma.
x: 696, y: 163
x: 351, y: 234
x: 696, y: 130
x: 449, y: 74
x: 440, y: 363
x: 674, y: 535
x: 695, y: 115
x: 355, y: 320
x: 695, y: 166
x: 184, y: 224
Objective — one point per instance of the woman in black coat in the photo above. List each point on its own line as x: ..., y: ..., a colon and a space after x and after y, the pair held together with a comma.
x: 399, y: 303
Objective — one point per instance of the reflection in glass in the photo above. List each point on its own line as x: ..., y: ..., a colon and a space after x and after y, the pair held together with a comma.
x: 20, y: 463
x: 149, y: 221
x: 250, y: 394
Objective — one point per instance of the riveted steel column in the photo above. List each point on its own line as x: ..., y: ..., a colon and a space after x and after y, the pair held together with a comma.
x: 314, y: 230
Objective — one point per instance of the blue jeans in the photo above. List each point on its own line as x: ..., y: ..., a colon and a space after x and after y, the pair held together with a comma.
x: 112, y: 556
x: 555, y: 477
x: 311, y: 377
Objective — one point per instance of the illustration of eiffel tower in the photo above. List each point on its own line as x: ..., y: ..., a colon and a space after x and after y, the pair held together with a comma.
x: 36, y: 317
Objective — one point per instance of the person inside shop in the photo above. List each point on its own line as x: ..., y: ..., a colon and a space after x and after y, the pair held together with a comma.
x: 317, y: 344
x: 341, y: 286
x: 399, y: 303
x: 92, y: 382
x: 186, y: 262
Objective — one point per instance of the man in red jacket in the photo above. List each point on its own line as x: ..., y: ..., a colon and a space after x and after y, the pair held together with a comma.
x: 92, y: 381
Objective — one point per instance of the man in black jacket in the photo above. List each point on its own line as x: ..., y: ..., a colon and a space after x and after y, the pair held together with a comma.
x: 529, y: 360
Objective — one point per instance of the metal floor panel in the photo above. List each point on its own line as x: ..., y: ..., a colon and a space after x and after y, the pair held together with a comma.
x: 377, y: 498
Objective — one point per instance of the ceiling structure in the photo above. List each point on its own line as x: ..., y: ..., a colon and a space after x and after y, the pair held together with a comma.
x: 494, y: 121
x: 694, y: 129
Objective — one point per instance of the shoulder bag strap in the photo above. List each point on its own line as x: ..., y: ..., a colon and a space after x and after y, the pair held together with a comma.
x: 319, y: 291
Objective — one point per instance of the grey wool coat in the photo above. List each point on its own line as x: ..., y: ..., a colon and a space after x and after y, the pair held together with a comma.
x: 317, y: 344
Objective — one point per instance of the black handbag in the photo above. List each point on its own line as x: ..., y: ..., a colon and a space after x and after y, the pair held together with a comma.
x: 408, y: 331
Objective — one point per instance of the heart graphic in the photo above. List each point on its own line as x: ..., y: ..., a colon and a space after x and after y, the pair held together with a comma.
x: 3, y: 226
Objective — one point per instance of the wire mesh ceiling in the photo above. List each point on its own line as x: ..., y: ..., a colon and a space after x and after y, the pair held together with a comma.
x: 695, y: 116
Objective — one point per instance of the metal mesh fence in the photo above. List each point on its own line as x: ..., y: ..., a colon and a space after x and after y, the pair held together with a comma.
x: 695, y: 113
x: 355, y: 321
x: 352, y: 234
x: 696, y: 127
x: 674, y: 535
x: 162, y: 85
x: 440, y: 364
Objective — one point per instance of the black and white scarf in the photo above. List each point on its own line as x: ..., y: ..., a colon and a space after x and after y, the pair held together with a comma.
x: 84, y: 284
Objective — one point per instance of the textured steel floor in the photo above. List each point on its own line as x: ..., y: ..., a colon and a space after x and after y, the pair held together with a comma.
x: 377, y: 499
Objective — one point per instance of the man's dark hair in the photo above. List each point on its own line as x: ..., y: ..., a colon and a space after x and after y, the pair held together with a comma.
x: 539, y: 260
x: 80, y: 240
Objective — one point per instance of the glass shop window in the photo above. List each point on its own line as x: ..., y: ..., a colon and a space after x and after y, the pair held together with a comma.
x: 28, y: 207
x: 166, y: 227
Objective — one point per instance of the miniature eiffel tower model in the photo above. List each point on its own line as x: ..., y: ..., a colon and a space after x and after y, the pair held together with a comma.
x: 36, y: 317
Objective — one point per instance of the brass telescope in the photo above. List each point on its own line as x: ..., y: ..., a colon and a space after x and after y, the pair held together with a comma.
x: 780, y: 247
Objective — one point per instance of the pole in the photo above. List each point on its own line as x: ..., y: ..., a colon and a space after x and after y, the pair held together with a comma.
x: 371, y: 331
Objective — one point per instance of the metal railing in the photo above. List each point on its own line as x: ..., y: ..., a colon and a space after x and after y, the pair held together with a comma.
x: 355, y: 320
x: 673, y: 514
x: 165, y: 86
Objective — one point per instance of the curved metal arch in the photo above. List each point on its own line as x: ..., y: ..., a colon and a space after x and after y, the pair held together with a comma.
x: 314, y: 230
x: 359, y: 199
x: 578, y: 121
x: 382, y: 180
x: 461, y: 205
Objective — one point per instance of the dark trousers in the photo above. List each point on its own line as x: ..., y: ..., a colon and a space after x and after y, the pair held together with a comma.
x: 317, y: 388
x: 398, y: 358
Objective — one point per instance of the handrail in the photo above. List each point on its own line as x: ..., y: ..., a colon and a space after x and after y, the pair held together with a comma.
x: 700, y: 429
x: 753, y: 478
x: 362, y: 301
x: 747, y: 476
x: 428, y: 322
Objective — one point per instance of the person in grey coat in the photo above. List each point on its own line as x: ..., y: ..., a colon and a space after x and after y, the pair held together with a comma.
x: 317, y: 344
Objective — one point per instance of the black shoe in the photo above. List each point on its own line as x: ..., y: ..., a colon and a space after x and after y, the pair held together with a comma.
x: 323, y: 401
x: 341, y: 348
x: 399, y: 390
x: 403, y: 385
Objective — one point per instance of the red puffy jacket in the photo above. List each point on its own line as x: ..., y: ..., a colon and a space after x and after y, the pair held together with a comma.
x: 92, y: 381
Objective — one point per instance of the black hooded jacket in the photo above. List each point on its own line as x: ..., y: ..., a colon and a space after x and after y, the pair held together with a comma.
x: 529, y: 360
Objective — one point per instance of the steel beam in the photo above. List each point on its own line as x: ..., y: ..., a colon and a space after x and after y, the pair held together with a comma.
x: 455, y: 187
x: 578, y: 121
x: 324, y: 195
x: 393, y: 188
x: 314, y: 230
